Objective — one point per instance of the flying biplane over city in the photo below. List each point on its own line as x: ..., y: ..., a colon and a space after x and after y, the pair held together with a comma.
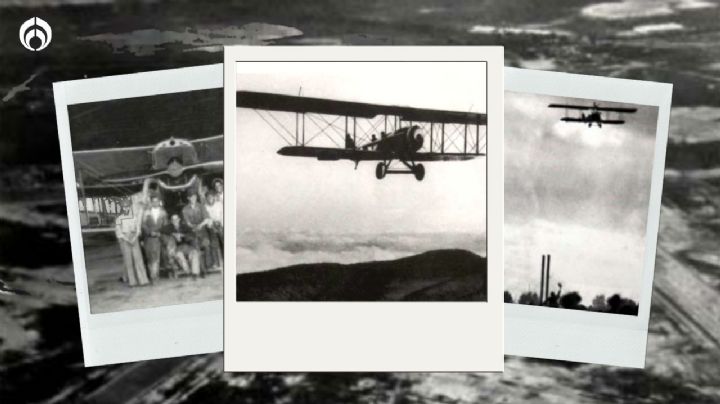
x: 371, y: 132
x: 104, y: 176
x: 595, y: 116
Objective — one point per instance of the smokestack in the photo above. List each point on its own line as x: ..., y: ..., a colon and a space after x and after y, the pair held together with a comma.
x: 547, y: 276
x: 542, y: 279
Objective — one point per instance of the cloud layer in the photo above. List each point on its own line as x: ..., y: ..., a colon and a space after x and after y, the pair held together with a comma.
x: 258, y: 251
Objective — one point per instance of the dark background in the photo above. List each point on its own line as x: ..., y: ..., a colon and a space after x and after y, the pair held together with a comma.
x: 40, y: 350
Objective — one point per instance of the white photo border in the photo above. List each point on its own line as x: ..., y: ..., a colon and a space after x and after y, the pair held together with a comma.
x: 582, y: 336
x: 369, y: 336
x: 143, y: 334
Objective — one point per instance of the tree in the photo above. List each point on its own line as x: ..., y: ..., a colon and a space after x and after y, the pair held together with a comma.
x: 529, y: 298
x: 571, y: 301
x: 620, y: 305
x: 599, y: 304
x: 508, y: 297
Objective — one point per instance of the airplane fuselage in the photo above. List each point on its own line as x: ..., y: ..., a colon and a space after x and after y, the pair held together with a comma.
x: 403, y: 143
x: 593, y: 117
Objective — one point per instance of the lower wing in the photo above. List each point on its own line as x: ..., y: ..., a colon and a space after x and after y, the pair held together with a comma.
x: 334, y: 154
x: 208, y: 166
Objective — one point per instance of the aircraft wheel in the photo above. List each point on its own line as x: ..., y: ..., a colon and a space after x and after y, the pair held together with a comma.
x: 380, y: 171
x: 419, y: 172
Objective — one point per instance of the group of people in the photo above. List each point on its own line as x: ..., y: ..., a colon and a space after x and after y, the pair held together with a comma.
x: 188, y: 241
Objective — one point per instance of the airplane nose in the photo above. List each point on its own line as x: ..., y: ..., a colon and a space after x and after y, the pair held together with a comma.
x: 418, y: 141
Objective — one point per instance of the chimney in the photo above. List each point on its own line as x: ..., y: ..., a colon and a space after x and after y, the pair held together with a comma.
x: 547, y: 276
x: 542, y: 279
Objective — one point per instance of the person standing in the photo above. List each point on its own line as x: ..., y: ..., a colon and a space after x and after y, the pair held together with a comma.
x: 218, y: 187
x: 127, y: 231
x: 215, y: 229
x: 195, y: 215
x: 154, y: 218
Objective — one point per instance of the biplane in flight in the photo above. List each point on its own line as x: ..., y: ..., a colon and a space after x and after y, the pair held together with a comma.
x: 106, y: 175
x: 399, y: 138
x: 595, y: 115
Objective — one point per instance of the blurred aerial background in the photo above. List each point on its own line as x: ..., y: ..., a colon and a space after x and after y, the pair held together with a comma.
x: 675, y: 41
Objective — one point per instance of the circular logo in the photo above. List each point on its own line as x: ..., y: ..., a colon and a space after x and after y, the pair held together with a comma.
x: 35, y: 34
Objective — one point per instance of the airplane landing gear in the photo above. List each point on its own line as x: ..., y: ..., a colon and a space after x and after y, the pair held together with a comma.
x: 383, y: 168
x: 419, y: 172
x: 380, y: 170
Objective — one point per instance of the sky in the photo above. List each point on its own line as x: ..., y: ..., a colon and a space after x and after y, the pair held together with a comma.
x: 578, y: 193
x: 300, y: 196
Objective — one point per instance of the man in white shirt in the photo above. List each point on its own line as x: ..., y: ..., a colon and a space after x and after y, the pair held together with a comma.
x: 127, y: 231
x: 214, y: 208
x: 218, y: 187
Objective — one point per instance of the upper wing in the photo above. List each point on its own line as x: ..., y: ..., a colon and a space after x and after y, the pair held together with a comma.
x: 334, y: 154
x: 568, y: 106
x: 291, y: 103
x: 624, y: 110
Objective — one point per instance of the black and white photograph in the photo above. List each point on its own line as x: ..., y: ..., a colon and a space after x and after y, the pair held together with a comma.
x: 143, y: 161
x: 577, y: 180
x: 149, y: 176
x: 355, y: 183
x: 367, y: 193
x: 584, y: 163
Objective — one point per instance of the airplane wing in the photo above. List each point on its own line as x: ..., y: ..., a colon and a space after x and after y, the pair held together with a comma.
x: 445, y: 156
x: 291, y: 103
x: 330, y: 153
x: 334, y: 154
x: 135, y: 163
x: 604, y: 121
x: 568, y: 106
x: 210, y: 165
x: 623, y: 110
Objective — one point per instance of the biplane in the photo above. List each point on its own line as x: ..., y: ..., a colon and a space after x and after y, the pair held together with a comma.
x: 106, y: 175
x: 595, y: 114
x: 399, y: 138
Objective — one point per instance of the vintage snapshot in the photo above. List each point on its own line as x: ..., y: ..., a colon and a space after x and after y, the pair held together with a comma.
x: 356, y: 183
x: 147, y: 192
x: 581, y: 200
x: 365, y: 201
x: 577, y: 175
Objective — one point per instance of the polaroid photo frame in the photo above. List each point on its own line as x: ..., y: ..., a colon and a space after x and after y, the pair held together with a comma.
x: 298, y: 293
x: 150, y: 331
x: 583, y: 335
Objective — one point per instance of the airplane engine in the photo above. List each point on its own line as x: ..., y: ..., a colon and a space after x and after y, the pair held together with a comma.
x: 414, y: 139
x: 405, y: 140
x: 417, y: 142
x: 179, y: 151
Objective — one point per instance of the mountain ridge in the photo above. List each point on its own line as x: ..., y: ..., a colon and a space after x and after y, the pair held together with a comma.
x: 436, y: 275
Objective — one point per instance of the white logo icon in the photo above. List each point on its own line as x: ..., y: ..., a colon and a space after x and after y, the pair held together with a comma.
x: 35, y: 34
